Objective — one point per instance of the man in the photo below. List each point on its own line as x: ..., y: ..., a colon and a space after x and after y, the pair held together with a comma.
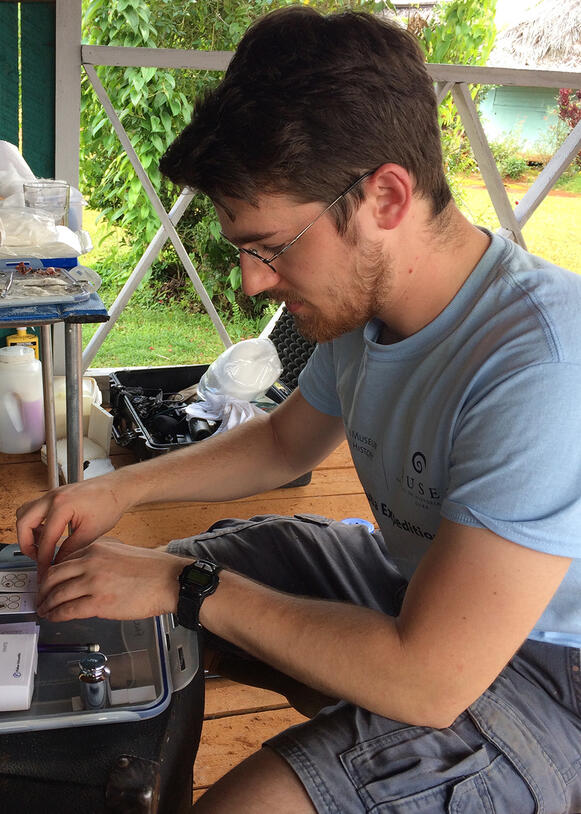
x: 450, y: 360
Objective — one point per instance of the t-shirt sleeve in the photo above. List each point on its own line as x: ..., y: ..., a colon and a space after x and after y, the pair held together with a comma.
x: 317, y: 381
x: 515, y: 464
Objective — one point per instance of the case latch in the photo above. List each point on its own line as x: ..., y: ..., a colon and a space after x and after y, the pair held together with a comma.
x: 133, y: 786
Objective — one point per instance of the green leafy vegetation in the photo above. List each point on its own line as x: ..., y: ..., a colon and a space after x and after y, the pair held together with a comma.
x: 508, y: 157
x: 154, y: 106
x: 462, y: 32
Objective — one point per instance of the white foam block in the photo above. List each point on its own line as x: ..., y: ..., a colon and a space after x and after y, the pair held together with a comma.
x: 23, y: 627
x: 123, y: 697
x: 17, y: 661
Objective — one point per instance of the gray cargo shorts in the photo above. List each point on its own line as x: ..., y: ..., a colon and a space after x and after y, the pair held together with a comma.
x: 516, y: 750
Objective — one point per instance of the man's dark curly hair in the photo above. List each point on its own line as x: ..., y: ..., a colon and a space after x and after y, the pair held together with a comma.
x: 310, y: 102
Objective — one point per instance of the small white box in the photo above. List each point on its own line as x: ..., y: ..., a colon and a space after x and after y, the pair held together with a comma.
x: 17, y: 666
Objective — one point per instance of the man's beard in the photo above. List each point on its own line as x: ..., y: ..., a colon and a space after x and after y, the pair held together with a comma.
x: 349, y: 308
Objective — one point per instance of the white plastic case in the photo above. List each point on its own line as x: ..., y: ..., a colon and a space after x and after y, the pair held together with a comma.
x: 148, y: 658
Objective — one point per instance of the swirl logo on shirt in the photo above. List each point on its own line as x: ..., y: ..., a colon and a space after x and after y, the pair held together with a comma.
x: 419, y: 462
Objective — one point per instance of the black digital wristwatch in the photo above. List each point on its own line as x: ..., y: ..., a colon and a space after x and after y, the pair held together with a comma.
x: 197, y: 581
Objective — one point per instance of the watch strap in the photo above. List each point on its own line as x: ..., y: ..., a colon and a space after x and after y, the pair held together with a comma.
x: 191, y: 595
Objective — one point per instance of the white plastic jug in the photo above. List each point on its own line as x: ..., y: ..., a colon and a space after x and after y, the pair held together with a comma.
x: 21, y: 402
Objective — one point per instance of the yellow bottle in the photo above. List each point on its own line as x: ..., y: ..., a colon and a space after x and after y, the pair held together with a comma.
x: 21, y: 337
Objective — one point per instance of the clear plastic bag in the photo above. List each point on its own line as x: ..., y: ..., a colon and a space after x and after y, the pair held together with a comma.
x: 26, y: 227
x: 243, y: 371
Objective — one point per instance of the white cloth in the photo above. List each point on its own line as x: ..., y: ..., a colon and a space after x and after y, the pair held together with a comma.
x: 229, y: 411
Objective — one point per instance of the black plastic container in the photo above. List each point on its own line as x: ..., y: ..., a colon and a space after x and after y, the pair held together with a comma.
x: 131, y: 395
x: 129, y: 387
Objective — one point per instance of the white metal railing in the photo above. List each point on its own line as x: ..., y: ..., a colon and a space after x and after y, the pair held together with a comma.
x: 453, y: 79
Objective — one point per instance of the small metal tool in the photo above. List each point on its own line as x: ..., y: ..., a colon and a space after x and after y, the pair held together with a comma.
x: 8, y: 286
x: 91, y: 647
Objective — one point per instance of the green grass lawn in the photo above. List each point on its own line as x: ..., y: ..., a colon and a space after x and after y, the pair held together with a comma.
x: 170, y: 335
x: 167, y: 335
x: 552, y: 231
x: 153, y: 335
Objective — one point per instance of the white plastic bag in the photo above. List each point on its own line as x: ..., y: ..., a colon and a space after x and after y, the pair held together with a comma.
x: 26, y: 227
x: 13, y: 171
x: 28, y: 232
x: 67, y: 241
x: 243, y: 371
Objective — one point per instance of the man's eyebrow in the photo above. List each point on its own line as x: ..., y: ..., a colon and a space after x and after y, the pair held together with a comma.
x: 252, y: 237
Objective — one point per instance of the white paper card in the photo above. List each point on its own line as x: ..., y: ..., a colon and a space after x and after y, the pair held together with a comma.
x: 18, y: 581
x: 19, y: 627
x: 27, y: 628
x: 17, y: 603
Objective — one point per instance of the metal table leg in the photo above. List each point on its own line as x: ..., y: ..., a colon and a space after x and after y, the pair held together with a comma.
x: 74, y: 398
x: 49, y: 414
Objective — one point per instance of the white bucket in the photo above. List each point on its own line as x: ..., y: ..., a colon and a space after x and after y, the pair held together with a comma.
x: 21, y: 402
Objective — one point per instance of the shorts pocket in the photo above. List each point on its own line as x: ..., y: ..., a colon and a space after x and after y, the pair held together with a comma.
x: 415, y: 769
x: 497, y: 788
x: 539, y: 764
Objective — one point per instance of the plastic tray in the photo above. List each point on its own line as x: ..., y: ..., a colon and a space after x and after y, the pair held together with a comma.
x: 78, y: 287
x: 149, y: 659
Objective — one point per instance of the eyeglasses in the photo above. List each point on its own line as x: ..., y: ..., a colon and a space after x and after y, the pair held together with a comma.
x: 253, y: 253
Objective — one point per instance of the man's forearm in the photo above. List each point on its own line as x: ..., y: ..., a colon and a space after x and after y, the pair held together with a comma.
x: 343, y: 650
x: 241, y: 462
x: 258, y: 455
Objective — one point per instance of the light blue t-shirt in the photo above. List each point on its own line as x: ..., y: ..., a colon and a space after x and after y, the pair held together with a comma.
x: 476, y: 418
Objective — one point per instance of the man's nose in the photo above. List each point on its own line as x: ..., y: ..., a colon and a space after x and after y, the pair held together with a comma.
x: 256, y: 276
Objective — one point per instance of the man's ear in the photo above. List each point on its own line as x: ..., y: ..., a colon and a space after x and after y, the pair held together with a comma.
x: 390, y: 190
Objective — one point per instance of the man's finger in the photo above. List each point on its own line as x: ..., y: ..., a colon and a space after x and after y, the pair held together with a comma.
x: 75, y: 542
x: 29, y: 519
x: 79, y: 608
x: 61, y: 583
x: 54, y: 526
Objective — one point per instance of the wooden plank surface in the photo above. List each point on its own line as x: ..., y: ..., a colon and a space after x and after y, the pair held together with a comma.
x: 226, y: 742
x: 334, y: 492
x: 19, y: 482
x: 225, y: 697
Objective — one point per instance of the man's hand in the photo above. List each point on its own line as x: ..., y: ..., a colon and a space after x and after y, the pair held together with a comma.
x: 111, y: 580
x: 89, y: 508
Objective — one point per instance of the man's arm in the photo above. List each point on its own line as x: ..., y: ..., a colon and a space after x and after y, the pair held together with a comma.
x: 261, y: 454
x: 471, y: 603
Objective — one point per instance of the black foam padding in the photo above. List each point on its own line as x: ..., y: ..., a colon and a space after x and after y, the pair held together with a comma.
x: 293, y: 349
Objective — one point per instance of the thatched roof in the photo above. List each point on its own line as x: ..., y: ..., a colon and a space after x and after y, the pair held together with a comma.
x: 548, y: 36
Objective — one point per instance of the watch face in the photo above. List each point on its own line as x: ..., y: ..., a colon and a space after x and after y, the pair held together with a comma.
x: 201, y: 579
